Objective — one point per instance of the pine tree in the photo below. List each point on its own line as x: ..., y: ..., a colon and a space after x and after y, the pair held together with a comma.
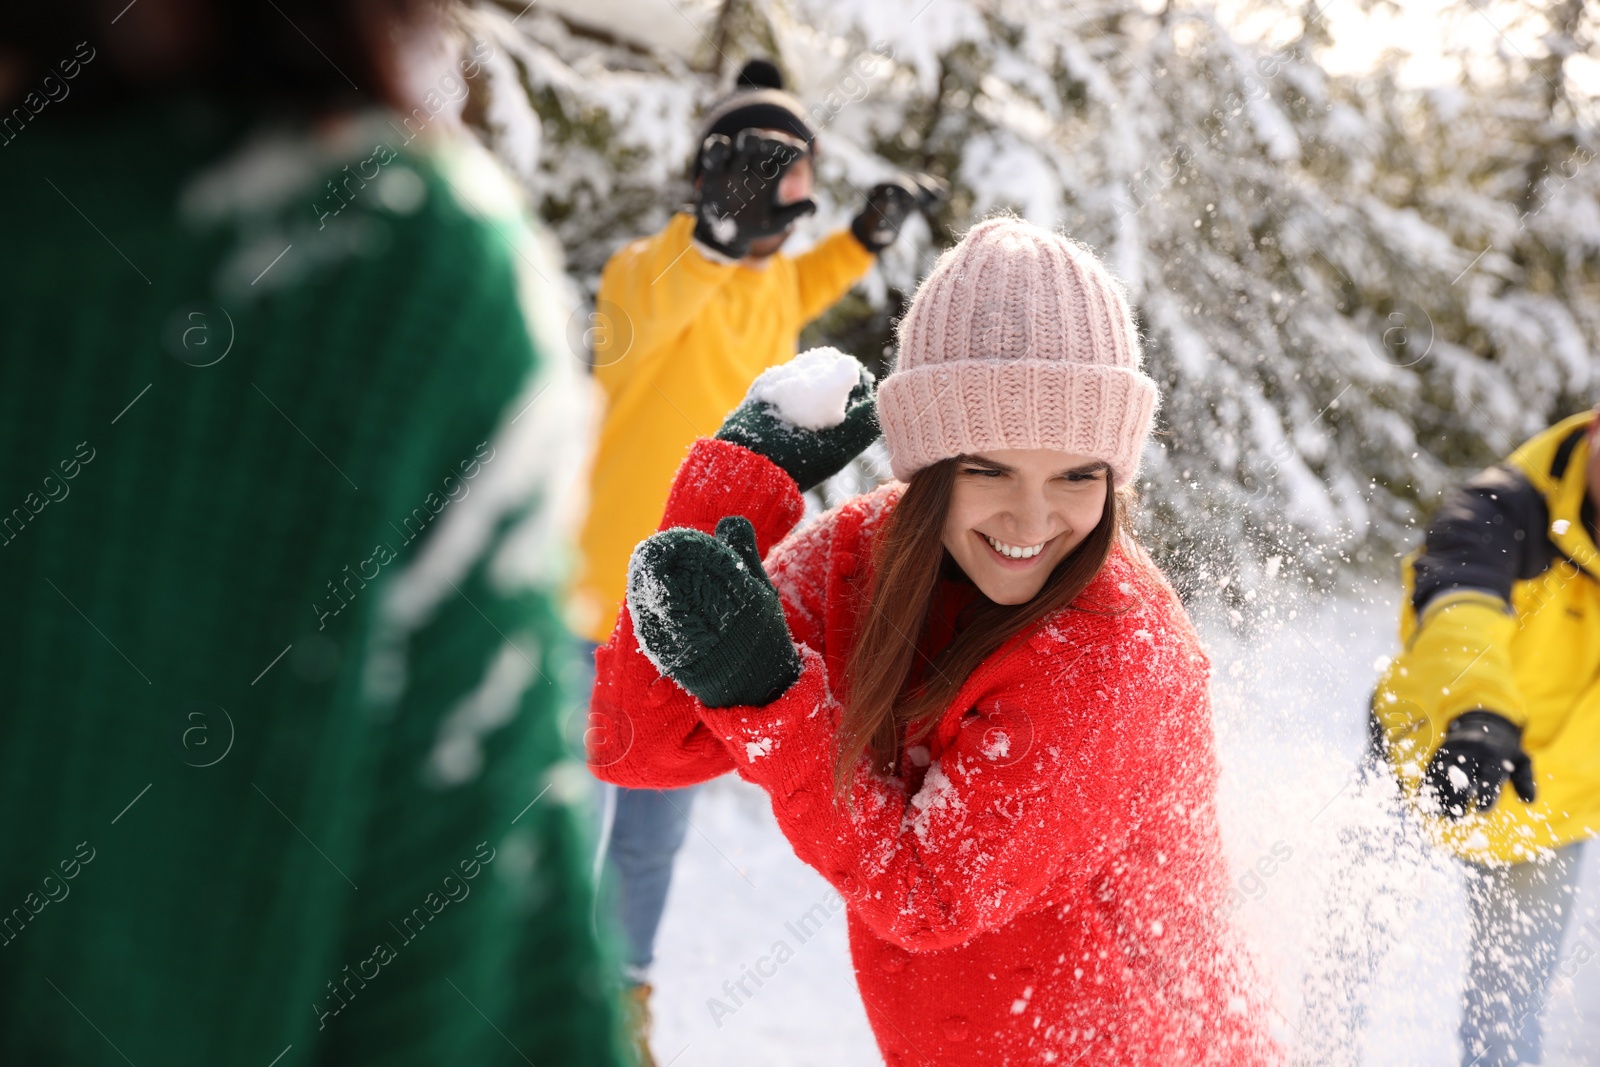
x: 1352, y: 292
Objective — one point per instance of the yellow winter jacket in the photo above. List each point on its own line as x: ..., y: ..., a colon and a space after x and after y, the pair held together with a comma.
x: 1508, y: 590
x: 679, y: 339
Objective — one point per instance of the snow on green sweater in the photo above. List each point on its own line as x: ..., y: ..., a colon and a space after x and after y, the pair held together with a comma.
x: 282, y: 459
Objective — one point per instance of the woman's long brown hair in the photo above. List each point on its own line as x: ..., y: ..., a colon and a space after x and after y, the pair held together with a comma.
x: 906, y: 561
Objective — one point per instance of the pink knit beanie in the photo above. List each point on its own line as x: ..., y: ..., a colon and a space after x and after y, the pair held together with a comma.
x: 1019, y: 338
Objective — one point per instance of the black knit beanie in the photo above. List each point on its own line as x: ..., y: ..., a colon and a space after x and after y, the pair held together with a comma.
x: 758, y: 102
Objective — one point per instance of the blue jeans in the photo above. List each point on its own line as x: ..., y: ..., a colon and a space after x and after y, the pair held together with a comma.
x: 647, y: 829
x: 1519, y: 914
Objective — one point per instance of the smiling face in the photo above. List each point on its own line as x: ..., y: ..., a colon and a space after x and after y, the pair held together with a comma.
x: 1016, y: 513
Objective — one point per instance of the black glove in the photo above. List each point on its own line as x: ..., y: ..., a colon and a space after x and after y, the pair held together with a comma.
x: 810, y: 457
x: 890, y: 203
x: 707, y: 616
x: 1480, y: 751
x: 738, y: 198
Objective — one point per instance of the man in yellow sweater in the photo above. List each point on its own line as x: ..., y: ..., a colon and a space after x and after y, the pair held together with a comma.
x: 1491, y: 715
x: 692, y: 315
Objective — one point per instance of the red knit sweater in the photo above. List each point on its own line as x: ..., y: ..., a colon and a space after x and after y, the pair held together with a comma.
x: 1043, y: 884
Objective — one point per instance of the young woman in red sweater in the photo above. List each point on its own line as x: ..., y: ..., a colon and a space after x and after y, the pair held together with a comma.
x: 977, y: 706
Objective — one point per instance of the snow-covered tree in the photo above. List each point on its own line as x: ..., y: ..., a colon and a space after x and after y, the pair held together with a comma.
x: 1352, y: 291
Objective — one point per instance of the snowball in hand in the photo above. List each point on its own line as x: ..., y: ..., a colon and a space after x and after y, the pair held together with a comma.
x: 810, y: 416
x: 810, y: 391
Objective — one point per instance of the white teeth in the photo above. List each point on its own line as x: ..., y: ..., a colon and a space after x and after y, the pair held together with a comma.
x: 1015, y: 551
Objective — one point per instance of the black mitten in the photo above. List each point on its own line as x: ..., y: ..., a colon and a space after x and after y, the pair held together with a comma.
x: 890, y: 203
x: 738, y: 198
x: 707, y: 616
x: 1480, y: 751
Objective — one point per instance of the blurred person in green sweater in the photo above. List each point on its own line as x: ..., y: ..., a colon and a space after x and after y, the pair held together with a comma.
x: 283, y: 449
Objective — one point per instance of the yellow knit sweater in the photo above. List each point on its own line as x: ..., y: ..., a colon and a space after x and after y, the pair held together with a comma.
x: 678, y: 339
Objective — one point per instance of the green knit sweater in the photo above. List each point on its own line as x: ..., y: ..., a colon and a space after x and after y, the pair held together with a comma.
x: 281, y: 772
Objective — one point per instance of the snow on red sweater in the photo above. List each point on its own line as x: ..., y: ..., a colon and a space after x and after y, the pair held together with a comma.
x: 1043, y: 884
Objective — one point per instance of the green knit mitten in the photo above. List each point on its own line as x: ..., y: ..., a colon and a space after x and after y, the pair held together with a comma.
x: 707, y: 616
x: 810, y: 416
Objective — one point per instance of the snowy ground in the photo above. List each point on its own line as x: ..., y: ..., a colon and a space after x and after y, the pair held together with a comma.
x: 1290, y: 700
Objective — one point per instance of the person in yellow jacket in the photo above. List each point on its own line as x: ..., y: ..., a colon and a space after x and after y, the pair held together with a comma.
x: 1491, y: 715
x: 689, y: 317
